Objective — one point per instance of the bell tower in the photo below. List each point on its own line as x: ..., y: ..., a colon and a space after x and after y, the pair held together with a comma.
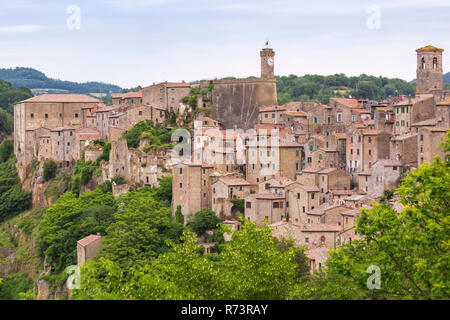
x: 429, y: 69
x: 267, y: 62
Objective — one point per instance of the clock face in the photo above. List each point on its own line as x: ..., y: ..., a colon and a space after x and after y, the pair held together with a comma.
x: 270, y: 61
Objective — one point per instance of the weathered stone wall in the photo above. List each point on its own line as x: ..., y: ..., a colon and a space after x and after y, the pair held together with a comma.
x: 237, y: 102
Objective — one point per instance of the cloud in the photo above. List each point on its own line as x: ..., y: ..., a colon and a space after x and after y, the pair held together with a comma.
x: 23, y: 28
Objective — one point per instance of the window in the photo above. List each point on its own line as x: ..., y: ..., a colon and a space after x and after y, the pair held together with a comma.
x: 423, y: 63
x: 275, y: 205
x: 435, y: 63
x: 315, y: 120
x: 297, y: 153
x: 307, y: 240
x: 46, y: 116
x: 339, y: 117
x: 248, y: 205
x: 312, y: 196
x: 76, y: 115
x: 298, y: 195
x: 370, y: 139
x: 32, y: 115
x: 181, y: 185
x: 140, y: 113
x: 60, y: 115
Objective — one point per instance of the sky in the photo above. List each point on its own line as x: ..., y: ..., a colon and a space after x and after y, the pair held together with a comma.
x: 139, y: 42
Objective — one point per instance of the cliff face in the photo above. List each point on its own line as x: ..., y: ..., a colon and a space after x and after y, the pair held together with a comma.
x: 237, y: 102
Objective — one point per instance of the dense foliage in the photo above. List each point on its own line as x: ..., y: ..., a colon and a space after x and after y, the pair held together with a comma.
x: 322, y: 88
x: 13, y: 285
x: 49, y: 170
x: 411, y: 248
x: 6, y: 150
x: 12, y: 198
x: 158, y: 135
x: 33, y: 79
x: 202, y: 221
x: 249, y: 267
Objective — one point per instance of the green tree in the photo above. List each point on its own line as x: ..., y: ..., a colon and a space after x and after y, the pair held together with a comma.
x: 411, y: 247
x: 203, y: 220
x: 139, y: 231
x: 179, y: 217
x: 49, y: 170
x: 249, y: 267
x: 6, y: 150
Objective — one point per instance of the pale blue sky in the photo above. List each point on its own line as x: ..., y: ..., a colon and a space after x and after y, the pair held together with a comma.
x: 132, y: 42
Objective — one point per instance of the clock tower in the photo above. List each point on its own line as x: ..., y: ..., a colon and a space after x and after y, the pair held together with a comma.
x: 267, y: 62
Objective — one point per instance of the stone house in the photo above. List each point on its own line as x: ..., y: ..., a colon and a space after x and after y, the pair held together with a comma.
x: 224, y: 190
x: 47, y: 111
x: 271, y: 114
x: 443, y: 113
x: 167, y: 95
x: 412, y: 110
x: 191, y: 186
x: 269, y: 158
x: 428, y: 143
x: 299, y: 200
x: 265, y: 206
x: 384, y: 175
x: 404, y: 148
x: 87, y: 248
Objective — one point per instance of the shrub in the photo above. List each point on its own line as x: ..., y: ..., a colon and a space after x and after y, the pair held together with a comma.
x: 6, y: 150
x: 49, y: 170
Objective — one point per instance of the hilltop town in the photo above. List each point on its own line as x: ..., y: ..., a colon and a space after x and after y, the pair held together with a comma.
x: 305, y: 168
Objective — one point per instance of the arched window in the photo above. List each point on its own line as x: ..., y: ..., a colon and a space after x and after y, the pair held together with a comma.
x: 435, y: 63
x: 423, y: 63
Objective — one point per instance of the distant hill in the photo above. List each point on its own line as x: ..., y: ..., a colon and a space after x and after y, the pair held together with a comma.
x: 447, y: 77
x: 39, y: 83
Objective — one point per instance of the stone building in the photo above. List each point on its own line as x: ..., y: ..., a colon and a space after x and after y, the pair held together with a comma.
x: 224, y: 190
x: 404, y: 148
x: 236, y: 102
x: 167, y: 95
x: 429, y: 69
x: 428, y: 143
x: 49, y: 111
x: 265, y: 206
x: 384, y: 175
x: 191, y: 186
x: 412, y: 110
x: 87, y: 248
x: 268, y: 158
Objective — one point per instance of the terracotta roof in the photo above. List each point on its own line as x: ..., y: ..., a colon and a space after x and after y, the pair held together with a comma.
x: 310, y: 188
x: 408, y: 102
x: 340, y: 135
x: 63, y: 98
x: 279, y: 182
x: 327, y: 170
x: 361, y: 111
x: 88, y: 240
x: 106, y: 109
x: 272, y: 108
x: 342, y: 192
x: 65, y: 128
x: 321, y: 227
x: 435, y: 129
x: 389, y: 163
x: 87, y: 136
x: 349, y: 103
x: 296, y: 113
x: 234, y: 181
x: 132, y: 94
x: 269, y: 196
x: 430, y: 48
